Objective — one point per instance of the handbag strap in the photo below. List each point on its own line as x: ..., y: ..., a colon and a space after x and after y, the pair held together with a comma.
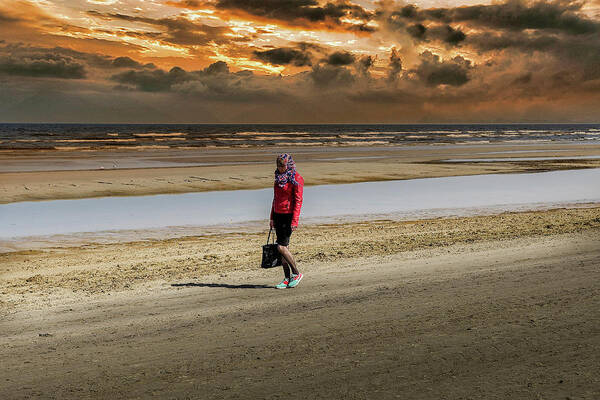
x: 268, y: 237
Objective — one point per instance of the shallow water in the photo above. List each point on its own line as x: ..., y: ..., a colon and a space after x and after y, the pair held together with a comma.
x: 169, y: 136
x: 409, y: 198
x: 456, y: 160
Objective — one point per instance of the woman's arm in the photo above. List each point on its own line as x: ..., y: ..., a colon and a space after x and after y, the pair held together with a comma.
x: 271, y: 225
x: 297, y: 193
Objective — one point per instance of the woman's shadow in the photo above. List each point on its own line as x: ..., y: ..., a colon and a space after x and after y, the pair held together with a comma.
x: 221, y: 285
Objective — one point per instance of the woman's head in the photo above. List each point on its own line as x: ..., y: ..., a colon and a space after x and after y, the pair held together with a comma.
x: 285, y: 162
x: 286, y: 170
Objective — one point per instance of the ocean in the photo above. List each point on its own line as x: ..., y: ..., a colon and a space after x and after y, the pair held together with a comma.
x: 136, y: 136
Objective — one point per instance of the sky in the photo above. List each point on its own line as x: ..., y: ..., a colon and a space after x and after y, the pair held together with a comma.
x: 299, y: 61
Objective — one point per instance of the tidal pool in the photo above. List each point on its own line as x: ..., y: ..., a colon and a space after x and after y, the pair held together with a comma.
x: 504, y: 159
x: 462, y: 195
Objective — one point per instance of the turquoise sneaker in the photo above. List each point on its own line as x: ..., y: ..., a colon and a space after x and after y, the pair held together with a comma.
x: 283, y: 284
x: 295, y: 280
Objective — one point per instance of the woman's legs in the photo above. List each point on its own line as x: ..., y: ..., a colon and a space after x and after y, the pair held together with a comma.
x: 288, y: 261
x: 286, y: 269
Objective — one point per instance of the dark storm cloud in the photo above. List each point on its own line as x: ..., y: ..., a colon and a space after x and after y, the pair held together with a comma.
x: 417, y: 31
x: 555, y: 15
x: 18, y: 60
x: 557, y: 28
x: 489, y: 41
x: 43, y: 65
x: 285, y: 56
x: 364, y: 64
x: 214, y: 82
x: 152, y: 81
x: 61, y: 61
x: 450, y: 35
x: 443, y: 33
x: 340, y: 58
x: 581, y: 52
x: 433, y: 72
x: 301, y: 12
x: 395, y: 66
x: 180, y: 31
x: 217, y: 68
x: 560, y: 15
x: 103, y: 61
x: 330, y: 76
x: 126, y: 62
x: 360, y: 28
x: 557, y: 31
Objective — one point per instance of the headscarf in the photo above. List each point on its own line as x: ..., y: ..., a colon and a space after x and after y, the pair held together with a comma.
x: 290, y: 173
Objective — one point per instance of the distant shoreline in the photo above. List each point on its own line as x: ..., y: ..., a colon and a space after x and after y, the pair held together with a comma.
x: 34, y: 176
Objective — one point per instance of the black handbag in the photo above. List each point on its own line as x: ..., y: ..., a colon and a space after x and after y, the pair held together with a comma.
x: 271, y: 257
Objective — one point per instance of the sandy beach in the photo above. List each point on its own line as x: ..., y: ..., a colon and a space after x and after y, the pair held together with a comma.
x: 48, y: 175
x: 489, y: 306
x: 480, y: 307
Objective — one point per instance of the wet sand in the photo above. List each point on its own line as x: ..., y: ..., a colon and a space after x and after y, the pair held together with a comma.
x: 48, y: 175
x: 488, y: 307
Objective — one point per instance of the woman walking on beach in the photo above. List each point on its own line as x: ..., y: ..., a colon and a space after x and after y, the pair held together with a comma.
x: 285, y: 212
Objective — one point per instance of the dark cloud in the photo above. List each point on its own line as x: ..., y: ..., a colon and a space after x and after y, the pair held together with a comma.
x: 433, y: 72
x: 39, y: 62
x: 126, y: 62
x: 557, y: 28
x: 557, y: 32
x: 410, y: 11
x: 417, y: 31
x: 217, y: 68
x: 152, y: 81
x: 364, y: 64
x: 330, y: 76
x: 489, y: 41
x: 340, y: 58
x: 302, y: 12
x: 553, y: 15
x: 559, y: 15
x: 394, y: 66
x: 103, y: 61
x: 581, y: 52
x: 214, y: 82
x: 360, y: 28
x: 179, y: 30
x: 60, y: 62
x: 285, y: 56
x: 452, y: 36
x: 443, y: 33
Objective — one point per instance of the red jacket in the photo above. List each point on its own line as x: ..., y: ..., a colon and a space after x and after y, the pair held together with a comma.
x: 288, y: 199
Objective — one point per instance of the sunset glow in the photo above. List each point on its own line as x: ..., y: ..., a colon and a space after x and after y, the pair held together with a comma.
x: 303, y: 61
